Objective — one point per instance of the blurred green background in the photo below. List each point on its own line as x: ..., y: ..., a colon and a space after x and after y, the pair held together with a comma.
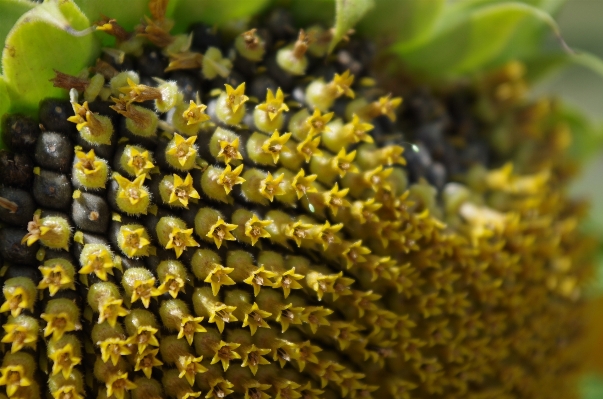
x: 582, y: 29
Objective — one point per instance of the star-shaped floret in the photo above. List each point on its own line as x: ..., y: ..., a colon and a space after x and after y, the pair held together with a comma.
x: 236, y: 97
x: 299, y: 231
x: 329, y: 371
x: 145, y: 335
x: 189, y: 366
x: 258, y: 278
x: 20, y: 331
x: 219, y: 388
x: 66, y: 392
x: 343, y: 162
x: 354, y: 253
x: 139, y: 161
x: 341, y: 286
x: 387, y: 106
x: 327, y: 234
x: 342, y: 84
x: 254, y: 229
x: 182, y: 149
x: 195, y: 113
x: 110, y: 309
x: 114, y: 348
x: 276, y: 144
x: 255, y: 318
x: 365, y: 301
x: 221, y: 314
x: 179, y: 239
x: 55, y: 277
x: 316, y: 316
x: 135, y: 240
x: 253, y: 357
x: 255, y: 390
x: 132, y: 191
x: 377, y: 178
x: 309, y: 147
x: 351, y: 383
x: 357, y: 130
x: 336, y: 198
x: 82, y: 115
x: 287, y: 389
x: 33, y: 230
x: 392, y: 154
x: 288, y: 281
x: 317, y: 123
x: 229, y: 178
x: 274, y: 105
x: 288, y: 315
x: 302, y: 184
x: 307, y: 354
x: 136, y: 92
x: 270, y: 186
x: 146, y: 360
x: 14, y: 377
x: 117, y: 385
x: 221, y: 231
x: 182, y: 190
x: 284, y: 351
x: 87, y: 163
x: 189, y: 325
x: 229, y: 150
x: 64, y: 360
x: 366, y: 211
x: 144, y: 290
x: 57, y: 324
x: 184, y: 60
x: 219, y: 277
x: 225, y: 352
x: 17, y: 299
x: 171, y: 284
x: 98, y: 261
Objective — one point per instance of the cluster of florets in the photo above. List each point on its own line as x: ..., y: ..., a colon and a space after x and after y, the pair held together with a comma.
x: 195, y: 239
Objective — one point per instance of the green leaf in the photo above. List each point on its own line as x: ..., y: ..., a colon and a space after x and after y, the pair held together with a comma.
x: 213, y: 12
x: 347, y: 14
x: 408, y: 22
x: 541, y: 66
x: 586, y: 139
x: 467, y: 40
x: 127, y: 14
x: 312, y: 12
x: 10, y: 12
x: 50, y: 36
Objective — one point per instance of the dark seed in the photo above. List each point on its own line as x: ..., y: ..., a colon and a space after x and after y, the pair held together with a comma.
x: 104, y: 151
x: 188, y: 84
x: 260, y: 85
x: 53, y: 116
x: 152, y: 63
x: 204, y: 37
x: 280, y: 23
x: 13, y: 251
x: 29, y: 271
x: 24, y: 203
x: 52, y: 190
x: 90, y: 213
x: 126, y: 65
x: 15, y: 169
x: 20, y: 132
x: 54, y: 151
